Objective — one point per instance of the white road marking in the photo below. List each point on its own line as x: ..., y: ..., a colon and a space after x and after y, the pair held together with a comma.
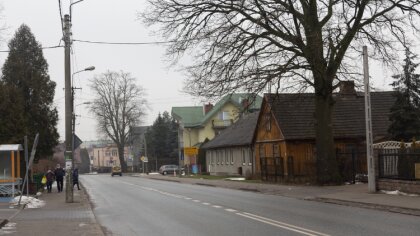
x: 230, y: 210
x: 283, y: 225
x: 258, y: 218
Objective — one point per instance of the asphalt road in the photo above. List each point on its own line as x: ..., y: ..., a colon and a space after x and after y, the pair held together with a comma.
x: 139, y: 206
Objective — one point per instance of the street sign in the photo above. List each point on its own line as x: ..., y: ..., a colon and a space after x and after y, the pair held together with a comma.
x: 77, y: 142
x: 144, y: 159
x: 190, y: 151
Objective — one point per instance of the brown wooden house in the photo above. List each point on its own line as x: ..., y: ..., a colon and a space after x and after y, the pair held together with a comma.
x: 285, y: 136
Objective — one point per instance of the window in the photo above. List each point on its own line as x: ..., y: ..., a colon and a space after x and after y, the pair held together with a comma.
x: 231, y: 156
x: 243, y: 157
x: 261, y: 151
x: 267, y: 119
x: 114, y: 153
x: 276, y: 150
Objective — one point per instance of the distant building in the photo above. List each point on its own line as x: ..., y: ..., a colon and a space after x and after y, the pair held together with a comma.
x: 107, y: 156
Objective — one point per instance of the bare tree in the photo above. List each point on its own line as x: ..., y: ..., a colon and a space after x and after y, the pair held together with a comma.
x: 244, y: 45
x: 119, y: 104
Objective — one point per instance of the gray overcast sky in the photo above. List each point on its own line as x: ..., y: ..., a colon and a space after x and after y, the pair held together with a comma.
x: 111, y: 21
x: 98, y: 20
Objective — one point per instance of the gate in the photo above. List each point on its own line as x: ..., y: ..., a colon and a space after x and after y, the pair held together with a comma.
x: 272, y: 168
x: 352, y: 166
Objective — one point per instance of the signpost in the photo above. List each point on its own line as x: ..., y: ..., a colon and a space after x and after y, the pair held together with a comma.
x: 190, y: 151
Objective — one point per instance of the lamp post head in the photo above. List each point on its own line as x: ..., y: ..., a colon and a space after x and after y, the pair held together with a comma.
x: 90, y: 68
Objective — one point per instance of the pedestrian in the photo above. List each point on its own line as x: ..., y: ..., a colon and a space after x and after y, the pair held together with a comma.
x: 50, y: 179
x: 59, y: 177
x: 76, y: 178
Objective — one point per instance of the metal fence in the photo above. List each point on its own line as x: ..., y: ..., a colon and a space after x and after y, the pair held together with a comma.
x: 272, y: 168
x: 398, y: 163
x: 352, y: 167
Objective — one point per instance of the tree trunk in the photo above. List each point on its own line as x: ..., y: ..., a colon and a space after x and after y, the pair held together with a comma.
x: 121, y: 157
x: 327, y: 168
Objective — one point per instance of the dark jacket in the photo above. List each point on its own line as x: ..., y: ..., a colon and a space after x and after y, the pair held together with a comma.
x: 50, y: 176
x: 75, y: 175
x: 59, y: 173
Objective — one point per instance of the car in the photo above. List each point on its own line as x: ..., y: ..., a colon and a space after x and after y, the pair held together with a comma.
x: 116, y: 170
x: 170, y: 169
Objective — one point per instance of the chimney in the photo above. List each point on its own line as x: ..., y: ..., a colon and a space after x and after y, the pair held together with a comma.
x: 347, y: 87
x: 207, y: 108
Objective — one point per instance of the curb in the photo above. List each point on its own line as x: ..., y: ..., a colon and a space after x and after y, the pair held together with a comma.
x: 394, y: 209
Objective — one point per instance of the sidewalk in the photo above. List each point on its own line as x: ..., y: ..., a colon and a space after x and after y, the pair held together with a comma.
x: 55, y: 218
x: 350, y: 195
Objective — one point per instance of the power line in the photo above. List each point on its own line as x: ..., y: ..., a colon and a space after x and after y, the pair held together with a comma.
x: 58, y: 46
x: 124, y: 43
x: 61, y: 16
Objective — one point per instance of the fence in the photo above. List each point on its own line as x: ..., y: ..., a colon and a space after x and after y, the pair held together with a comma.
x: 352, y: 166
x: 398, y: 163
x: 272, y: 168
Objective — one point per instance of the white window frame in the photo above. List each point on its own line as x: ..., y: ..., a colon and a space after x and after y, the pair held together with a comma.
x: 243, y: 157
x: 231, y: 157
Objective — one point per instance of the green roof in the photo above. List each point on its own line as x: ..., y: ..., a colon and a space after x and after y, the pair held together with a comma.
x: 193, y: 116
x: 190, y: 116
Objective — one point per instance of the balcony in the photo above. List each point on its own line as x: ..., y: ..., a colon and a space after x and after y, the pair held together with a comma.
x: 221, y: 124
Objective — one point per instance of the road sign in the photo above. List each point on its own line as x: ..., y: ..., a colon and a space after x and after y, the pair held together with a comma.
x: 77, y: 142
x: 190, y: 151
x: 144, y: 159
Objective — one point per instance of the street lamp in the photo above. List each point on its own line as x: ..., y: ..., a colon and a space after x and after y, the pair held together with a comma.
x: 69, y: 183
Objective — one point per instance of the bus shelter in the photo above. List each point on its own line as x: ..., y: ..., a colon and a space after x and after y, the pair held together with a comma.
x: 10, y: 159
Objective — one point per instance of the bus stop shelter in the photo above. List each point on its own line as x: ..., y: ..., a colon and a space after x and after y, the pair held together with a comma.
x: 10, y: 159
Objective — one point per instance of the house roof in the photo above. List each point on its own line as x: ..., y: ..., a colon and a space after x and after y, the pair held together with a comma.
x: 11, y: 147
x: 236, y: 99
x: 190, y: 116
x: 194, y: 115
x: 240, y: 133
x: 295, y: 114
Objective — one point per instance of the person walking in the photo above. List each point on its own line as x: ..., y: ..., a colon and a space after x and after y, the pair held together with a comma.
x: 50, y: 179
x: 76, y: 178
x: 59, y: 177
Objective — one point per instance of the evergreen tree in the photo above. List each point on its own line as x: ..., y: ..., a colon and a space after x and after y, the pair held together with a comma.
x: 405, y: 113
x: 162, y: 139
x: 11, y: 118
x: 26, y: 72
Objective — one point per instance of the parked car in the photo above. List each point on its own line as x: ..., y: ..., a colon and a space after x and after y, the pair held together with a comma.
x: 116, y: 170
x: 170, y: 169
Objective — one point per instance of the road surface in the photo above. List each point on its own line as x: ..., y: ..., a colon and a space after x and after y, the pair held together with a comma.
x: 140, y: 206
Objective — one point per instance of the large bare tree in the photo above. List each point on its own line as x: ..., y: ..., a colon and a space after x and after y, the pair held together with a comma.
x: 119, y: 104
x: 244, y: 45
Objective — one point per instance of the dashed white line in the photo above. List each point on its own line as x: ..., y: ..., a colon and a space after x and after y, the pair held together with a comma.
x: 280, y: 224
x: 230, y: 210
x: 265, y: 220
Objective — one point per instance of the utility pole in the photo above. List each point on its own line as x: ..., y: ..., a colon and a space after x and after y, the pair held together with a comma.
x: 68, y: 109
x: 368, y: 115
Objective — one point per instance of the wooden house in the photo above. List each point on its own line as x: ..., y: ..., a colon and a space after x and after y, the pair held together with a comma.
x: 285, y: 135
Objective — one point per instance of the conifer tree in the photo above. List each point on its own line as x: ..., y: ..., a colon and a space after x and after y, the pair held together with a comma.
x: 26, y: 72
x: 405, y: 113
